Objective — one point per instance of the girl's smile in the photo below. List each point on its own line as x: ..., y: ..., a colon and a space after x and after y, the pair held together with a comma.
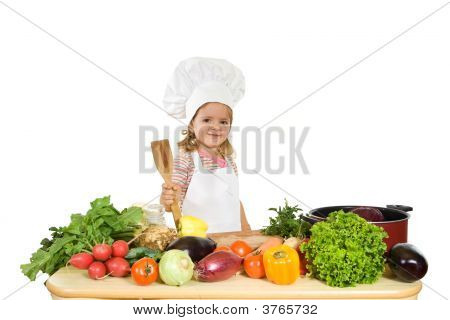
x: 212, y: 124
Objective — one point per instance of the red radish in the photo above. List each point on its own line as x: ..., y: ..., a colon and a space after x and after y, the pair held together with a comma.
x: 81, y: 260
x: 217, y: 266
x: 97, y: 270
x: 119, y: 248
x: 102, y: 252
x: 118, y: 267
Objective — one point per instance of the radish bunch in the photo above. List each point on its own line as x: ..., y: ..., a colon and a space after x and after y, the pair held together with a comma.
x: 105, y: 260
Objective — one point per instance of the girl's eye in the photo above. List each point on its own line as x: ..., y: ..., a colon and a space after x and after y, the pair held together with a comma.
x: 206, y: 120
x: 224, y: 122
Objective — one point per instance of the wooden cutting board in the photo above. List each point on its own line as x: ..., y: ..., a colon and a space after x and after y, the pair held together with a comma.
x: 71, y: 283
x: 254, y: 238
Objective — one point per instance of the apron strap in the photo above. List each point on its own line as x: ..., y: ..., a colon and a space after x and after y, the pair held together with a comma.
x: 199, y: 166
x: 197, y: 161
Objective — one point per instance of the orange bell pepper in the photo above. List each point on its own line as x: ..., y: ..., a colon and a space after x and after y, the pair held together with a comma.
x: 281, y: 264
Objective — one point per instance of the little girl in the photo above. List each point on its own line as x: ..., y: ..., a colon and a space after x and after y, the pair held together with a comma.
x: 204, y: 178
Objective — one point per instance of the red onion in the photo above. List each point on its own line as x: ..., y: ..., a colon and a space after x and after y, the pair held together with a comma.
x: 217, y: 266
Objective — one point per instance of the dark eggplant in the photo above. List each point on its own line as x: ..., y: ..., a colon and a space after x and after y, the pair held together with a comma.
x: 407, y: 262
x: 196, y: 247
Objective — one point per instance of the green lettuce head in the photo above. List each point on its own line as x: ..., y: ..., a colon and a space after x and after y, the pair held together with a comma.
x: 345, y: 250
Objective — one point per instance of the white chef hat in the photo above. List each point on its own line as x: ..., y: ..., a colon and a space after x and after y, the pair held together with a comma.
x: 197, y: 81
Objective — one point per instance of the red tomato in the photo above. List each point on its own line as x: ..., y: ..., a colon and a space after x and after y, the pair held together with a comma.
x: 254, y: 266
x: 222, y: 248
x: 241, y: 248
x: 144, y: 271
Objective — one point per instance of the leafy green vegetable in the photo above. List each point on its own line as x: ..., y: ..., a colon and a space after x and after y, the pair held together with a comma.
x: 345, y: 250
x: 286, y: 224
x: 102, y: 224
x: 140, y: 252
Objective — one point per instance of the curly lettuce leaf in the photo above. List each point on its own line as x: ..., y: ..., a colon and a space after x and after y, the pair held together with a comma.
x: 345, y: 250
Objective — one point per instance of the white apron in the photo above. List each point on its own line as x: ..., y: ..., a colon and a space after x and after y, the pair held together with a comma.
x: 213, y: 196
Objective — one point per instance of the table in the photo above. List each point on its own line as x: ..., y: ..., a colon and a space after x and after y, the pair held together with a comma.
x: 71, y: 283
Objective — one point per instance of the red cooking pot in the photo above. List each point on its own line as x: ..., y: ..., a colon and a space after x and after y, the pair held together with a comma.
x: 395, y: 220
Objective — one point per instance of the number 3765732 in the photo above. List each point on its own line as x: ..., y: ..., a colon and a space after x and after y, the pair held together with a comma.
x: 289, y: 309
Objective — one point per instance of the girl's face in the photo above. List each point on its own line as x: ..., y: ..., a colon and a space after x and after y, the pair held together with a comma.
x: 212, y: 124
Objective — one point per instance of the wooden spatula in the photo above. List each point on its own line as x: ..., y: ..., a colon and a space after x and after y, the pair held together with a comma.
x: 164, y: 163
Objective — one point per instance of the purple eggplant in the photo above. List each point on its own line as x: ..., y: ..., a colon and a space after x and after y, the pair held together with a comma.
x: 196, y: 247
x: 407, y: 262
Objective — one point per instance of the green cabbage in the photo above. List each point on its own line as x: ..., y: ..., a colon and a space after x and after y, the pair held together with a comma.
x: 176, y: 267
x: 345, y: 250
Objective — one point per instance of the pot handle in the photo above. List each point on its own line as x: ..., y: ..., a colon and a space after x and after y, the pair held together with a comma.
x: 400, y: 207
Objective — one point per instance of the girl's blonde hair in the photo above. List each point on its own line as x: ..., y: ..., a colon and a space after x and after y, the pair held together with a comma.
x: 189, y: 142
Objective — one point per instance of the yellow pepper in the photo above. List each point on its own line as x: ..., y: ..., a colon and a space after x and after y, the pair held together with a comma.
x: 282, y: 264
x: 192, y: 226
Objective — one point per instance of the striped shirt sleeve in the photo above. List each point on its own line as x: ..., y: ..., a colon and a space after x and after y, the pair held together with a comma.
x: 182, y: 172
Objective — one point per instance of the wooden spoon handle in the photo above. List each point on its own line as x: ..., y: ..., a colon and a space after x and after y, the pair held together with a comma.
x: 162, y: 155
x: 176, y: 212
x: 175, y: 208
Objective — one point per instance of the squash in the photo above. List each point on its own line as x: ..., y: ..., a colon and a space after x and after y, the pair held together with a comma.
x: 192, y: 226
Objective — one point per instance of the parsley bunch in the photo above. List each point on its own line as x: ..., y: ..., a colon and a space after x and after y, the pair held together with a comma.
x: 345, y: 250
x: 286, y: 224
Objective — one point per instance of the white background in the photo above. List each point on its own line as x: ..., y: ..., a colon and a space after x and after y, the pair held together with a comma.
x: 378, y: 133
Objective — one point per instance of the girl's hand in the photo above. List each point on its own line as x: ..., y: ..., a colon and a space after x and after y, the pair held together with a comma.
x: 169, y: 194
